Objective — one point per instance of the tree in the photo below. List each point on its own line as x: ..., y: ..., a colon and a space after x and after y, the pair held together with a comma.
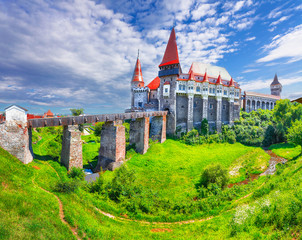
x: 76, y: 111
x: 295, y: 134
x: 204, y: 127
x: 98, y: 128
x: 215, y: 174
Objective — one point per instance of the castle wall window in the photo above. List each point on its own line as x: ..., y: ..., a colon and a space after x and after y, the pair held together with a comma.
x: 223, y: 106
x: 225, y: 92
x: 211, y: 106
x: 198, y: 89
x: 179, y: 87
x: 210, y: 90
x: 166, y: 90
x: 183, y: 87
x: 140, y: 104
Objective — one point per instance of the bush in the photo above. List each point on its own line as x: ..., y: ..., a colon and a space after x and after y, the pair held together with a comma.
x: 66, y: 186
x: 97, y: 186
x: 122, y: 184
x: 76, y: 173
x: 214, y: 174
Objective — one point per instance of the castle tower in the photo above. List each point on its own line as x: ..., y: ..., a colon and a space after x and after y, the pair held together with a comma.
x: 139, y: 94
x: 276, y: 87
x: 169, y: 71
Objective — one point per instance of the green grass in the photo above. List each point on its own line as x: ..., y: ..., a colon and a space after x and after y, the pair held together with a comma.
x: 170, y: 170
x: 253, y: 162
x: 286, y: 150
x: 91, y: 148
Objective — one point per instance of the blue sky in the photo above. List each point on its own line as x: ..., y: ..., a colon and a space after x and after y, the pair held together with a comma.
x: 70, y: 54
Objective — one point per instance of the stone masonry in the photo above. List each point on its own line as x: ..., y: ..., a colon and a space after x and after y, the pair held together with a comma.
x: 158, y: 129
x: 71, y: 155
x: 14, y: 136
x: 113, y: 146
x: 139, y: 134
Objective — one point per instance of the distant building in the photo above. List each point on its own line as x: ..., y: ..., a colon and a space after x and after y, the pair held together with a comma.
x: 48, y: 114
x: 253, y: 101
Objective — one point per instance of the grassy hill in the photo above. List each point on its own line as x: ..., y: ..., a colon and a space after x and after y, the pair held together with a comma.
x: 268, y: 208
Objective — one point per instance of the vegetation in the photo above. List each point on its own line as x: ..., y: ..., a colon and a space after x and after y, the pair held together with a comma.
x: 214, y: 174
x: 76, y: 111
x: 295, y: 133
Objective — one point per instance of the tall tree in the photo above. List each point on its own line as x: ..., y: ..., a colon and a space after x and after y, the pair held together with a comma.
x: 295, y: 134
x: 76, y: 111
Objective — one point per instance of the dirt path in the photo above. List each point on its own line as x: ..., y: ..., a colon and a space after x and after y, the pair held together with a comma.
x: 274, y: 160
x: 61, y: 211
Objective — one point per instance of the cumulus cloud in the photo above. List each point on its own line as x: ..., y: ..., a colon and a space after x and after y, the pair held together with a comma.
x: 285, y: 46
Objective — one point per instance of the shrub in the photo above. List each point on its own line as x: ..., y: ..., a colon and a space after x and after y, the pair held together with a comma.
x: 204, y: 127
x: 122, y: 184
x: 97, y: 186
x: 98, y: 128
x: 76, y: 173
x: 66, y: 186
x: 214, y: 174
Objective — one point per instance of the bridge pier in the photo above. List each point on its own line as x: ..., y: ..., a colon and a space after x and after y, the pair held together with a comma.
x: 113, y: 146
x: 71, y: 155
x: 14, y: 134
x: 158, y: 128
x: 139, y: 134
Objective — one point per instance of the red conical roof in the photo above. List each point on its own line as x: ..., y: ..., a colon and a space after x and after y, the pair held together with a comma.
x: 137, y: 74
x: 205, y: 77
x: 171, y: 53
x: 191, y: 76
x: 219, y: 80
x: 231, y: 83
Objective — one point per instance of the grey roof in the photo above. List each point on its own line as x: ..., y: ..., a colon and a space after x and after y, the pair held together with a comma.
x: 16, y: 106
x: 212, y: 71
x: 275, y: 81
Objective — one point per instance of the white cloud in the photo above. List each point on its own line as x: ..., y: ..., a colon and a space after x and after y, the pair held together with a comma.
x: 282, y: 19
x: 204, y: 9
x: 250, y: 38
x: 250, y: 70
x: 288, y: 45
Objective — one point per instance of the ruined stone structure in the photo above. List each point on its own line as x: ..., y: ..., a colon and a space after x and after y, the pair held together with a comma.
x: 205, y: 92
x: 15, y: 135
x: 253, y: 101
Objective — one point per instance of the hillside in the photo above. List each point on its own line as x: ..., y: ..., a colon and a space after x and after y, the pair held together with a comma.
x: 269, y: 207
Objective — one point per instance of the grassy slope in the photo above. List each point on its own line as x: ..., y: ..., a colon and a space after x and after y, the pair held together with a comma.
x: 27, y: 212
x: 173, y: 168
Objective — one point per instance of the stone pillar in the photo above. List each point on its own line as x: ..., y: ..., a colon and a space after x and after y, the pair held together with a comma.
x: 205, y: 108
x: 139, y: 134
x: 190, y: 112
x: 231, y: 112
x: 113, y: 146
x: 158, y: 129
x: 218, y: 114
x: 14, y: 136
x: 71, y: 155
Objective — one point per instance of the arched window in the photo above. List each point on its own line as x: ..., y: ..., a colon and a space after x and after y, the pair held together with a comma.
x: 198, y: 89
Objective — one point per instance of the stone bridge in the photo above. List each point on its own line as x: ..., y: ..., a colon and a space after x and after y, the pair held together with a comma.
x: 16, y: 133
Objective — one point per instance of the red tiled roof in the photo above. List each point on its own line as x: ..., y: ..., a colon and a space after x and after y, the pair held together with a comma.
x: 167, y: 83
x: 137, y: 74
x: 171, y: 53
x: 154, y: 84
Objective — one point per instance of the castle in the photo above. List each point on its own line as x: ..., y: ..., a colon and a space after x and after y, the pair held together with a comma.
x: 205, y: 92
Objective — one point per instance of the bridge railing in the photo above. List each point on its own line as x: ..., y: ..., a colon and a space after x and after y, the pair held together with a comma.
x: 75, y: 120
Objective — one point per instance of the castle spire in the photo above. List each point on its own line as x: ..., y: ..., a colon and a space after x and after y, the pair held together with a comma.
x: 171, y: 53
x: 137, y: 74
x: 275, y: 81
